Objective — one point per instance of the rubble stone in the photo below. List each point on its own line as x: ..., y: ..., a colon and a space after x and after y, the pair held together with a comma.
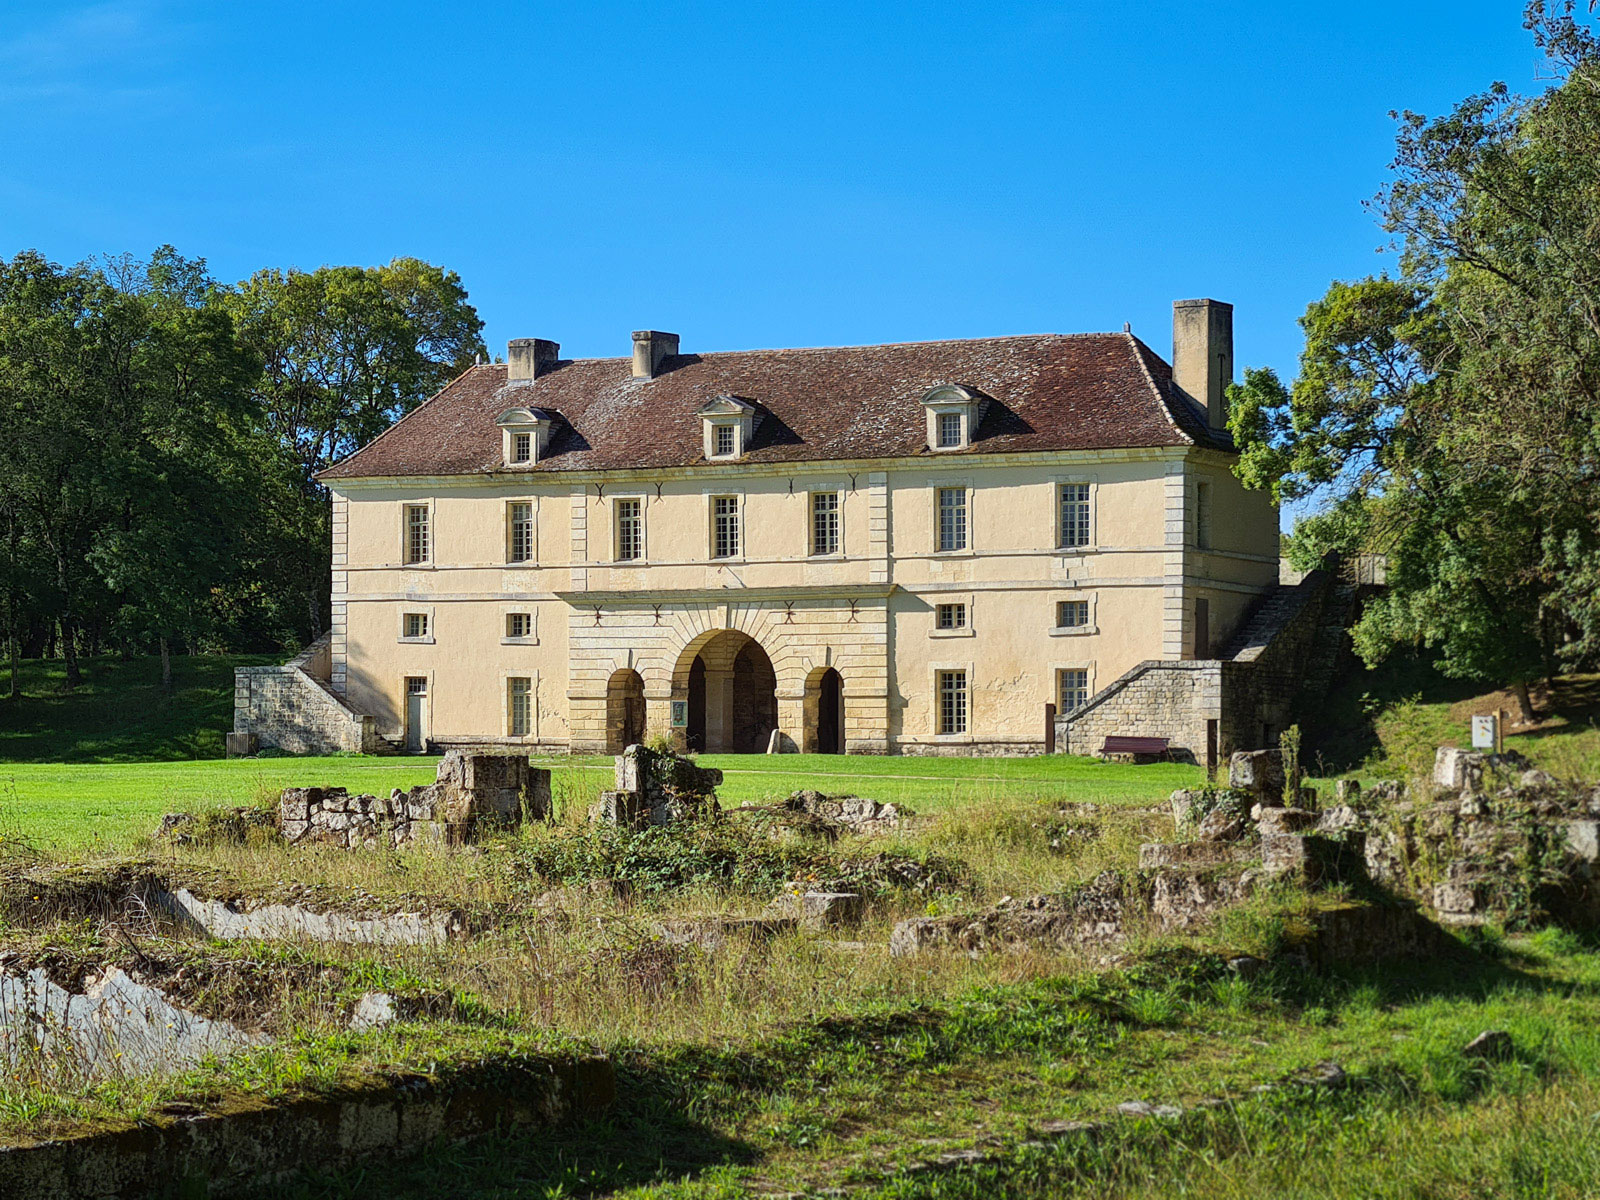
x: 1259, y: 772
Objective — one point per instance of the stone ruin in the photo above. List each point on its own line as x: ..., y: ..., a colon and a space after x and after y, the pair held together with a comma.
x: 1489, y: 839
x: 471, y: 792
x: 657, y: 787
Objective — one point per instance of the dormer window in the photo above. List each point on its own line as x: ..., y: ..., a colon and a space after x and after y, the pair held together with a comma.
x: 728, y: 424
x: 953, y: 416
x: 525, y: 435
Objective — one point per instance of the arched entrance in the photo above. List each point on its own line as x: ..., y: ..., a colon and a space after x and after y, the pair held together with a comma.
x: 624, y: 711
x: 829, y: 712
x: 731, y: 689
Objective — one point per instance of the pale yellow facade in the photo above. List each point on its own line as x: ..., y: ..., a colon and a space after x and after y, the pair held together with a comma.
x: 1174, y: 541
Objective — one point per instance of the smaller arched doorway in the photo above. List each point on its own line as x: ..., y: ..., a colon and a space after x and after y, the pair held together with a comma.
x: 624, y: 711
x: 824, y: 713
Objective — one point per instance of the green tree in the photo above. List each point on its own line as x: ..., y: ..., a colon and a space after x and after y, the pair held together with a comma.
x: 1450, y: 416
x: 345, y: 352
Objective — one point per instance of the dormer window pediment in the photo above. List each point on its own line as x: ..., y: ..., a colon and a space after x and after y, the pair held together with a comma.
x: 727, y: 426
x: 525, y: 435
x: 954, y: 413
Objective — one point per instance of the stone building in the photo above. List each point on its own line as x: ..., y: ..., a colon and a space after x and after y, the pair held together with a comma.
x: 907, y: 548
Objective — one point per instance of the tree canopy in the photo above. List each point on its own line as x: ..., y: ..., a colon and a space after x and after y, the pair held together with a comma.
x: 1448, y: 414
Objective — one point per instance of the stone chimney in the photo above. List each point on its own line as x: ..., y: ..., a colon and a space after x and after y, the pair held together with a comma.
x: 529, y: 358
x: 650, y: 349
x: 1202, y: 354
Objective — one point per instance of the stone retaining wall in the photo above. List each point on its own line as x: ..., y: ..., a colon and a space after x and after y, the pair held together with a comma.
x: 250, y: 1141
x: 288, y: 707
x: 1250, y: 694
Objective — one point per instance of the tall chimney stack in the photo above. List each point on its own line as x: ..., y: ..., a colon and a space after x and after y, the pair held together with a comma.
x: 529, y: 358
x: 1202, y: 354
x: 650, y: 349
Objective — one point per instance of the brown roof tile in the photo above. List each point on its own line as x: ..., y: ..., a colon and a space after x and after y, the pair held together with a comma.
x: 1045, y: 392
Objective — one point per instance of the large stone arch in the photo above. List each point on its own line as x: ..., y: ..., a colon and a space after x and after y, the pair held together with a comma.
x: 727, y: 682
x: 660, y: 640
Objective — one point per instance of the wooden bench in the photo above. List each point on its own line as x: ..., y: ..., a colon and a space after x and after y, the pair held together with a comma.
x: 1118, y: 748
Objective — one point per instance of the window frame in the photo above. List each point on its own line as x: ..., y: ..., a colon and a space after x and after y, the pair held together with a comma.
x: 430, y: 533
x: 426, y: 612
x: 941, y: 673
x: 511, y: 532
x: 521, y: 448
x: 837, y: 513
x: 719, y: 430
x: 939, y: 492
x: 735, y: 526
x: 1057, y: 672
x: 508, y: 708
x: 616, y: 529
x: 953, y: 421
x: 1062, y: 544
x: 1091, y: 624
x: 531, y: 638
x: 963, y: 601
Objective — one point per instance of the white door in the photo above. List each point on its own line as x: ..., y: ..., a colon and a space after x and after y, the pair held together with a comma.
x: 416, y: 711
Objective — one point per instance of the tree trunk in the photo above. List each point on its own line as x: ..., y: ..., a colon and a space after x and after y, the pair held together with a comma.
x: 314, y: 610
x: 69, y: 651
x: 14, y: 649
x: 1524, y: 703
x: 166, y: 665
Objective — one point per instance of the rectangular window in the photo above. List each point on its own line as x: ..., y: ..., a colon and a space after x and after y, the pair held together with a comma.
x: 723, y: 440
x: 824, y: 522
x: 725, y: 527
x: 520, y: 518
x: 519, y: 625
x: 417, y: 547
x: 630, y: 529
x: 521, y: 447
x: 1072, y: 614
x: 1074, y: 515
x: 952, y: 702
x: 416, y: 625
x: 952, y: 616
x: 1202, y: 515
x: 949, y: 430
x: 519, y: 706
x: 953, y: 518
x: 1074, y: 688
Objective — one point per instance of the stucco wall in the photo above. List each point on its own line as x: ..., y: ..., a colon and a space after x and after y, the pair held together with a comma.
x: 868, y: 611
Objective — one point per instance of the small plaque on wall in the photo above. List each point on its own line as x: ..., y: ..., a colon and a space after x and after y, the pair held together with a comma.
x: 680, y: 714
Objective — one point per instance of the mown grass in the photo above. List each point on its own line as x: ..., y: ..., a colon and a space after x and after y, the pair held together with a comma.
x: 105, y: 805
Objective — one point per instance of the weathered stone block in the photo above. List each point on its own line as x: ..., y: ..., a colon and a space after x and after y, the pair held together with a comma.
x: 1459, y: 770
x: 1259, y: 772
x: 1583, y: 839
x: 1189, y: 854
x: 820, y: 910
x: 1312, y: 858
x: 1347, y: 791
x: 1286, y: 820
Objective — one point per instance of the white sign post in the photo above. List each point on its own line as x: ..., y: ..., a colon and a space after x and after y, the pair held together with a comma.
x: 1486, y: 731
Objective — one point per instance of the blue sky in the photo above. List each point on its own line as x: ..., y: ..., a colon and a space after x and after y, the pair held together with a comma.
x: 745, y: 174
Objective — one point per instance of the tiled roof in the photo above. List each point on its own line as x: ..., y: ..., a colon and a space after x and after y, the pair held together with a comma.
x: 1046, y: 392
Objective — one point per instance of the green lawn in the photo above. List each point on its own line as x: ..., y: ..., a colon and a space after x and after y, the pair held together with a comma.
x: 121, y: 713
x: 78, y: 804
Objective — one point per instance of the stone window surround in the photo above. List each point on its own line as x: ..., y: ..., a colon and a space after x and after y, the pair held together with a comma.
x: 712, y: 495
x: 965, y: 599
x: 1088, y: 628
x: 404, y: 507
x: 1056, y: 483
x: 934, y: 670
x: 534, y: 422
x: 533, y: 548
x: 1085, y: 665
x: 951, y: 398
x: 409, y: 609
x: 939, y: 485
x: 616, y: 528
x: 839, y: 492
x: 532, y: 676
x: 532, y: 610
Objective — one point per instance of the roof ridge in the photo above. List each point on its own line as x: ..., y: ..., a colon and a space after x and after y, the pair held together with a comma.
x: 1162, y: 400
x: 999, y: 337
